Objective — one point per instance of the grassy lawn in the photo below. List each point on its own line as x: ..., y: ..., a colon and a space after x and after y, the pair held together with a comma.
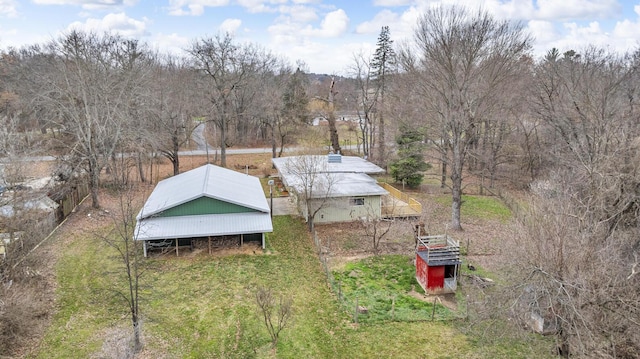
x: 204, y: 307
x: 481, y: 207
x: 382, y: 284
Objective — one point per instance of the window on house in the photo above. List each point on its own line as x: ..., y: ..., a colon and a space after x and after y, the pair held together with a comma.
x: 356, y: 201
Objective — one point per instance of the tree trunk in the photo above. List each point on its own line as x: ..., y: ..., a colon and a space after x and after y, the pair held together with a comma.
x: 223, y: 148
x: 381, y: 134
x: 456, y: 203
x: 137, y: 343
x: 176, y: 164
x: 274, y: 145
x: 223, y: 134
x: 331, y: 118
x: 333, y: 133
x: 143, y: 179
x: 175, y: 160
x: 456, y: 187
x: 94, y: 182
x: 364, y: 129
x: 281, y: 147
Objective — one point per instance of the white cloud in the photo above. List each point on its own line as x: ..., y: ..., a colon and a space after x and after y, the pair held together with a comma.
x: 573, y: 37
x: 391, y: 3
x: 523, y: 9
x: 260, y: 6
x: 8, y: 8
x: 401, y: 26
x: 6, y: 35
x: 230, y: 26
x: 88, y: 4
x: 576, y: 9
x: 627, y: 35
x: 511, y: 10
x: 118, y: 23
x: 544, y: 32
x: 285, y: 33
x: 326, y: 57
x: 383, y: 18
x: 299, y: 13
x: 333, y: 25
x: 172, y: 43
x: 193, y: 7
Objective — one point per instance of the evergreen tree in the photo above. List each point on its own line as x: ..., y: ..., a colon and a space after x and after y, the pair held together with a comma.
x: 410, y: 164
x: 295, y: 99
x: 382, y: 65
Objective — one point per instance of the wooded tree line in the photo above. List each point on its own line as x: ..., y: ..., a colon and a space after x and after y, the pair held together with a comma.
x: 564, y: 127
x: 567, y: 124
x: 100, y: 96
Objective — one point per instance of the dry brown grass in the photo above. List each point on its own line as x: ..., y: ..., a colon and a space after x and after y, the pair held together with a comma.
x: 346, y: 241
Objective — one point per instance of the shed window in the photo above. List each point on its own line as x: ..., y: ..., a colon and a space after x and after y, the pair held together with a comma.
x: 356, y: 201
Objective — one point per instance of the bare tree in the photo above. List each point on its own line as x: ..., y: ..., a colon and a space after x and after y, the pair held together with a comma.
x: 568, y: 273
x: 232, y: 75
x: 375, y: 228
x: 170, y: 123
x: 312, y: 183
x: 577, y: 250
x: 466, y: 61
x: 220, y: 60
x: 366, y: 102
x: 325, y: 107
x: 89, y: 95
x: 129, y: 251
x: 276, y: 314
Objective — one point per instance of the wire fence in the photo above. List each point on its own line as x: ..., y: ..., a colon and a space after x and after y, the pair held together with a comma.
x: 372, y: 303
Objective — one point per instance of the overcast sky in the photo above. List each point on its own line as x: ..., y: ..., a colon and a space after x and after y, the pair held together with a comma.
x: 323, y: 33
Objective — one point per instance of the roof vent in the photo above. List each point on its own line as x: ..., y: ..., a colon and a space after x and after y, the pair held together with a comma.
x: 335, y: 158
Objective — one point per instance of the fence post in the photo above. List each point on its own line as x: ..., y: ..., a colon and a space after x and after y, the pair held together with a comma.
x: 467, y: 315
x: 393, y: 308
x: 433, y: 314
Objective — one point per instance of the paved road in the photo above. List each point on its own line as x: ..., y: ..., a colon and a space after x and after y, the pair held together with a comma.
x: 198, y: 137
x: 201, y: 149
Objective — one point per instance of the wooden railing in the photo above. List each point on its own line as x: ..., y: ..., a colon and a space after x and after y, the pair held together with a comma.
x: 396, y: 193
x: 438, y: 241
x: 439, y: 248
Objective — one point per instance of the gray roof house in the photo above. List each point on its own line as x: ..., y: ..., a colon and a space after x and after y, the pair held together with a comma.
x: 204, y: 204
x: 341, y: 185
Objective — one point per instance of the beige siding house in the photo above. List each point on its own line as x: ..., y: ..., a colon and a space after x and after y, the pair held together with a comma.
x: 339, y: 187
x: 345, y: 209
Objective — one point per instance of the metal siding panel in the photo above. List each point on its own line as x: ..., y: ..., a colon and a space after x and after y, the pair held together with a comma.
x: 435, y: 278
x: 204, y: 205
x: 203, y: 225
x: 339, y: 210
x: 421, y: 272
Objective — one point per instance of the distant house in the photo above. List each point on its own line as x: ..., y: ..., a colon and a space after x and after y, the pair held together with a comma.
x: 341, y: 183
x: 28, y: 211
x: 437, y: 263
x: 207, y: 206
